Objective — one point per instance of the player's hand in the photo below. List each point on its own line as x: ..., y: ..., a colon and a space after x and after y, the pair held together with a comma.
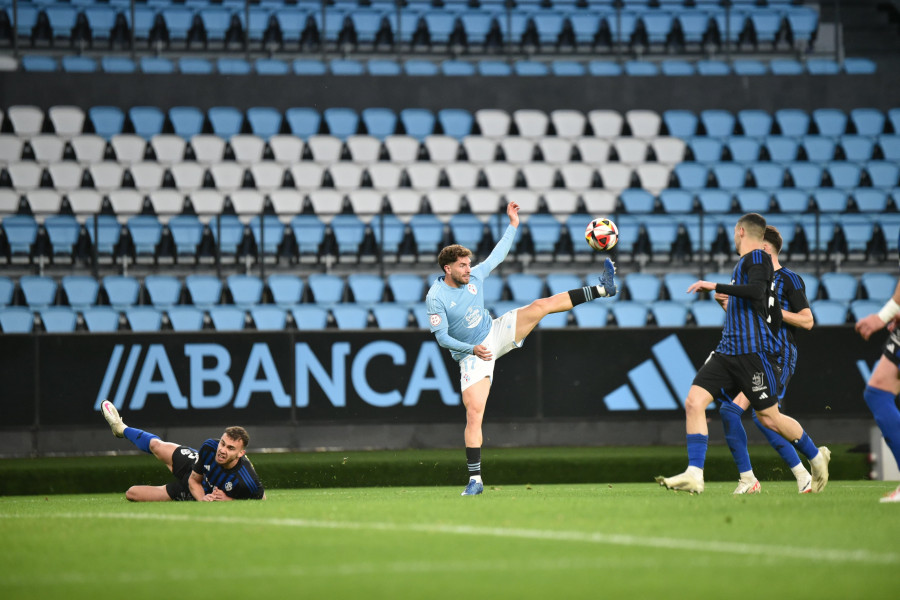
x: 482, y: 351
x: 869, y: 325
x: 722, y: 299
x: 512, y: 210
x: 701, y: 286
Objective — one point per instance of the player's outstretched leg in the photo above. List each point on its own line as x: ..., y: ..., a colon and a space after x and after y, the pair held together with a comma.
x: 736, y: 438
x: 790, y: 456
x: 138, y: 437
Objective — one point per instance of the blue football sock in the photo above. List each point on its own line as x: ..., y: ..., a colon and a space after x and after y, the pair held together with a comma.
x: 884, y: 408
x: 806, y: 446
x: 696, y: 447
x: 735, y: 435
x: 781, y: 445
x: 140, y: 438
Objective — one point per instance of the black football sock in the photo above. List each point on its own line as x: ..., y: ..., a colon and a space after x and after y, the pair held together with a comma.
x: 473, y: 460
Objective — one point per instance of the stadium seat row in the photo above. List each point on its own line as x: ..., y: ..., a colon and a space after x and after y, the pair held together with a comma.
x: 287, y: 290
x: 286, y: 149
x: 306, y: 238
x: 419, y: 123
x: 366, y: 204
x: 229, y: 177
x: 415, y: 26
x: 626, y: 313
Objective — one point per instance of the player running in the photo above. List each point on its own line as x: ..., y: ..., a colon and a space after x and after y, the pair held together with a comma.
x: 884, y: 382
x: 460, y: 323
x: 747, y: 359
x: 219, y: 471
x: 795, y: 312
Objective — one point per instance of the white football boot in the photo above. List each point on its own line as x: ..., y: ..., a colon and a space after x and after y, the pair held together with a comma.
x: 748, y: 486
x: 893, y: 496
x: 112, y: 417
x: 819, y: 468
x: 689, y: 481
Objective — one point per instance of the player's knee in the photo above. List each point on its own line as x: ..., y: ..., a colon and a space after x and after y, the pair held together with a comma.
x: 132, y: 494
x: 695, y: 403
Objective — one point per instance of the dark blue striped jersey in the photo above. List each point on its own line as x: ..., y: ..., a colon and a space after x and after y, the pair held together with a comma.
x: 752, y: 320
x: 239, y: 482
x: 790, y: 290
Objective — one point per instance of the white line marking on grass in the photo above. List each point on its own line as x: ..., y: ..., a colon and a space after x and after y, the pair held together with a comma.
x: 615, y: 539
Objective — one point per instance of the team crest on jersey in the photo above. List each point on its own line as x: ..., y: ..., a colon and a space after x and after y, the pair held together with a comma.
x: 758, y: 381
x: 472, y: 289
x: 473, y: 317
x: 435, y: 320
x: 228, y: 486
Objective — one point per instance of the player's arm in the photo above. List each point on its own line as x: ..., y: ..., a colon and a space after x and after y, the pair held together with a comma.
x: 498, y: 254
x: 799, y: 315
x: 803, y: 319
x: 437, y: 317
x: 877, y: 321
x: 195, y: 485
x: 754, y: 289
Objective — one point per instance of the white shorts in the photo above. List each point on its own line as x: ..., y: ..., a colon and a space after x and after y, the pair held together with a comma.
x: 500, y: 340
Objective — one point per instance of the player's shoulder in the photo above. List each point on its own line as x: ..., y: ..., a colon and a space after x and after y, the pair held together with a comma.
x: 210, y: 444
x: 791, y: 276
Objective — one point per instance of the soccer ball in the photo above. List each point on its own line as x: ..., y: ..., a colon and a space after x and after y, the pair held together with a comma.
x: 602, y: 234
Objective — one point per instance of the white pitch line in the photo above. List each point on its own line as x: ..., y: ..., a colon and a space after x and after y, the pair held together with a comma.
x: 615, y: 539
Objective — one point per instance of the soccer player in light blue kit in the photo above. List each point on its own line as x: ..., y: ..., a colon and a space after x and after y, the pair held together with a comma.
x: 460, y: 322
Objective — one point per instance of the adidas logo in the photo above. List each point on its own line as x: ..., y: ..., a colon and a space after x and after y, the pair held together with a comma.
x: 763, y: 396
x: 452, y: 304
x: 658, y: 383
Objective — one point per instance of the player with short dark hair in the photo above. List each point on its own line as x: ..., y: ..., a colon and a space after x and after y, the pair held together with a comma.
x: 790, y: 290
x: 748, y: 359
x: 884, y: 382
x: 220, y: 470
x: 460, y: 323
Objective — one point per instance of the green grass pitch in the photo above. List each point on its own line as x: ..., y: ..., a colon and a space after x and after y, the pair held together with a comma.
x: 620, y: 540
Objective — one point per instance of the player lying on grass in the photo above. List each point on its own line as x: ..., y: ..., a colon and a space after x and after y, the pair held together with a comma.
x: 790, y: 292
x: 219, y: 471
x: 748, y: 359
x: 460, y: 323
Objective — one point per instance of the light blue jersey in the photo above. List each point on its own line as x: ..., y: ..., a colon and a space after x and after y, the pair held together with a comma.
x: 459, y: 320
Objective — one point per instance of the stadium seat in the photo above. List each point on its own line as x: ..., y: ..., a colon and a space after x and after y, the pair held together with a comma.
x: 143, y: 318
x: 309, y: 317
x: 227, y: 318
x: 16, y: 319
x: 185, y: 318
x: 80, y: 290
x: 390, y: 316
x: 366, y: 289
x: 101, y: 319
x: 268, y: 318
x: 204, y: 291
x: 286, y: 289
x: 246, y: 290
x: 58, y: 319
x: 629, y: 313
x: 350, y: 316
x: 39, y: 291
x: 668, y: 313
x: 860, y: 309
x: 829, y: 312
x: 326, y: 289
x: 878, y: 286
x: 591, y: 315
x: 707, y: 313
x: 839, y: 286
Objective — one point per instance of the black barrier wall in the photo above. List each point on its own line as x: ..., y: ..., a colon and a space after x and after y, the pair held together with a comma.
x: 176, y: 379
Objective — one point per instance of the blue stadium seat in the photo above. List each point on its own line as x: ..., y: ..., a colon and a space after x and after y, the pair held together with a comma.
x: 264, y: 121
x: 406, y: 288
x: 271, y: 66
x: 803, y: 22
x: 884, y: 174
x: 640, y: 68
x: 830, y: 200
x: 870, y: 201
x: 420, y: 67
x: 38, y: 64
x: 635, y: 200
x: 812, y: 285
x: 890, y: 146
x: 107, y: 121
x: 668, y: 313
x: 195, y: 66
x: 717, y: 123
x: 59, y: 319
x: 680, y: 123
x: 707, y: 313
x: 690, y: 176
x: 591, y: 314
x: 567, y: 68
x: 524, y: 287
x: 268, y: 318
x: 792, y: 122
x: 349, y: 232
x: 309, y: 232
x: 309, y: 66
x: 677, y: 68
x: 857, y: 148
x: 848, y: 176
x: 545, y: 232
x: 81, y: 291
x: 822, y: 66
x: 466, y: 229
x: 604, y: 68
x: 187, y: 233
x: 458, y: 68
x: 868, y: 121
x: 830, y: 121
x: 21, y: 232
x: 225, y: 120
x: 366, y: 288
x: 749, y: 66
x: 818, y: 148
x: 878, y: 285
x: 286, y: 289
x: 326, y: 289
x: 791, y: 200
x: 629, y: 313
x: 860, y: 309
x: 269, y: 235
x: 303, y: 122
x: 805, y: 175
x: 121, y: 290
x: 146, y: 232
x: 101, y: 319
x: 16, y: 319
x: 418, y: 122
x: 143, y: 318
x: 204, y: 291
x: 530, y: 68
x: 7, y: 287
x: 642, y: 287
x: 858, y: 230
x: 428, y: 233
x: 729, y: 176
x: 147, y: 120
x: 156, y: 64
x: 713, y: 67
x: 390, y: 316
x: 233, y: 66
x: 781, y: 148
x: 228, y: 231
x: 562, y: 282
x: 755, y: 123
x: 743, y: 150
x: 185, y: 318
x: 186, y: 120
x: 705, y: 149
x: 78, y: 64
x: 341, y: 122
x: 246, y: 290
x: 389, y: 232
x: 676, y: 285
x: 40, y: 291
x: 585, y: 25
x: 164, y: 290
x: 227, y: 318
x: 859, y: 66
x: 455, y: 122
x: 350, y: 316
x: 751, y: 200
x: 839, y: 286
x: 829, y: 312
x: 379, y: 122
x: 676, y: 201
x: 309, y: 317
x: 346, y: 66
